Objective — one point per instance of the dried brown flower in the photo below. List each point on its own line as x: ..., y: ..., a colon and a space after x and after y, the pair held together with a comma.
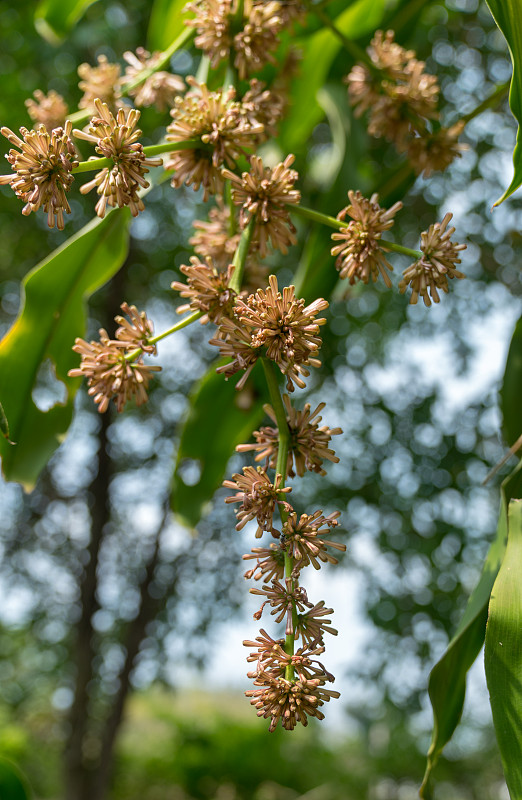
x: 208, y: 290
x: 289, y: 701
x: 308, y: 445
x: 109, y: 373
x: 270, y: 563
x: 435, y: 152
x: 278, y: 322
x: 265, y: 646
x: 360, y: 254
x: 159, y: 89
x: 216, y: 119
x: 101, y: 82
x: 258, y: 497
x: 117, y: 138
x: 431, y: 272
x: 264, y: 192
x: 49, y: 110
x: 303, y: 540
x: 42, y: 170
x: 254, y: 45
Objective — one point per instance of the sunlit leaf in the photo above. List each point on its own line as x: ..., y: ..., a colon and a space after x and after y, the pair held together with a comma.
x: 12, y: 784
x: 166, y: 23
x: 508, y: 16
x: 503, y: 654
x: 511, y: 391
x: 51, y: 317
x: 219, y: 418
x: 319, y: 52
x: 447, y: 684
x: 54, y: 19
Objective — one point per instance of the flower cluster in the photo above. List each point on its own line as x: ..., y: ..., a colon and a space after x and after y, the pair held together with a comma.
x: 50, y: 110
x: 219, y: 131
x: 263, y: 193
x: 251, y: 38
x: 99, y: 83
x: 308, y: 445
x: 114, y: 368
x: 402, y: 100
x: 208, y: 290
x: 276, y: 324
x: 117, y: 138
x: 431, y: 272
x: 159, y: 89
x: 360, y: 254
x: 42, y: 170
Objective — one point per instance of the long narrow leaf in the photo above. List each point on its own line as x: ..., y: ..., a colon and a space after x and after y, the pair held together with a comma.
x: 447, y: 684
x: 54, y: 19
x: 166, y: 23
x: 13, y: 785
x: 508, y: 16
x: 503, y: 654
x: 219, y: 418
x: 511, y: 390
x: 51, y: 317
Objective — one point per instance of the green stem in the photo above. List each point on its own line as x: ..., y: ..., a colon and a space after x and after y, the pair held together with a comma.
x: 184, y: 38
x: 357, y: 53
x: 203, y: 69
x: 283, y: 436
x: 489, y: 102
x: 316, y: 216
x: 398, y: 248
x: 151, y: 150
x: 232, y: 224
x: 240, y: 256
x: 133, y: 355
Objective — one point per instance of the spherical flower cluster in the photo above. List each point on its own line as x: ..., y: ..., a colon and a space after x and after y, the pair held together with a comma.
x: 258, y: 498
x: 42, y: 170
x: 49, y: 110
x: 117, y: 138
x: 308, y: 446
x: 431, y: 272
x: 208, y: 290
x: 99, y: 83
x: 222, y: 131
x: 264, y: 193
x: 114, y: 368
x: 278, y: 324
x: 360, y: 254
x: 402, y: 99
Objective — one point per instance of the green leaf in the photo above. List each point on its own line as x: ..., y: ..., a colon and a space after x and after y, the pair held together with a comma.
x: 320, y: 50
x: 166, y: 23
x: 447, y: 683
x: 13, y: 785
x: 503, y: 654
x: 51, y: 317
x: 218, y: 419
x: 53, y: 19
x: 511, y: 391
x: 4, y: 425
x: 508, y: 16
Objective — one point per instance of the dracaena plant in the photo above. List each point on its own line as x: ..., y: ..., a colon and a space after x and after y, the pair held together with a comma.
x: 222, y: 119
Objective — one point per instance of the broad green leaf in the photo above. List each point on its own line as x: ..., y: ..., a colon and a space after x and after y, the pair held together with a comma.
x: 508, y: 16
x: 219, y: 418
x: 511, y: 391
x: 319, y: 52
x: 12, y: 784
x: 166, y: 23
x: 54, y: 19
x: 503, y: 654
x: 447, y: 683
x: 51, y: 317
x: 4, y: 424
